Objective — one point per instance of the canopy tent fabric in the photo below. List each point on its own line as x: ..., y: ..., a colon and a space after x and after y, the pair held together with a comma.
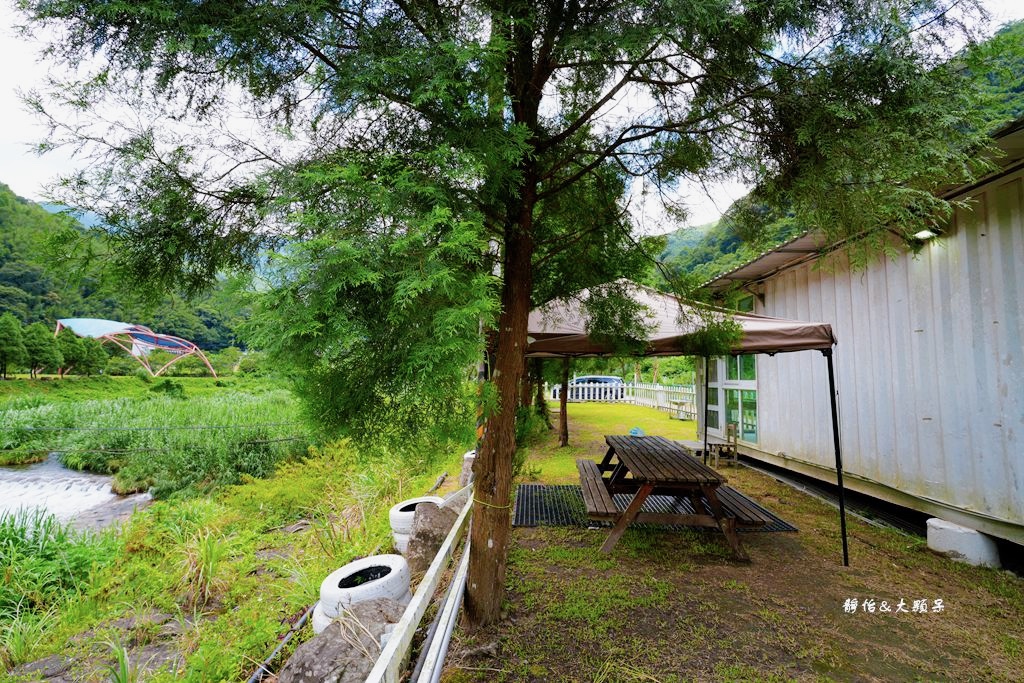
x: 559, y: 328
x: 136, y: 340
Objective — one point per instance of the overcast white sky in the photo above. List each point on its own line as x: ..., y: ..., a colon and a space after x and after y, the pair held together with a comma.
x: 27, y: 174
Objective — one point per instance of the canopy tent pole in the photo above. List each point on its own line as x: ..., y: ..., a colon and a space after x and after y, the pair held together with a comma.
x: 705, y: 399
x: 839, y: 456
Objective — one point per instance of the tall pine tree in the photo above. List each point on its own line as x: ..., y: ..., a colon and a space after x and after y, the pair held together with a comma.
x: 428, y: 166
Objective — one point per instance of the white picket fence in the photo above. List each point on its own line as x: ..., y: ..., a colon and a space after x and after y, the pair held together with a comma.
x: 680, y: 400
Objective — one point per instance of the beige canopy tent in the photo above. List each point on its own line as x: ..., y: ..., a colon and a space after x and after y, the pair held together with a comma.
x: 559, y: 329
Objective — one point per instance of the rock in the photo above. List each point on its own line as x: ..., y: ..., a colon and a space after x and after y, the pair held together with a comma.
x: 466, y: 475
x: 153, y: 658
x: 108, y: 514
x: 430, y: 526
x: 299, y: 526
x: 347, y: 649
x: 486, y: 650
x: 45, y: 668
x: 175, y: 629
x: 140, y: 620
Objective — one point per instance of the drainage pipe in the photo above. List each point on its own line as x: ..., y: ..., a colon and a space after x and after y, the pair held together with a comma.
x: 434, y: 661
x: 428, y: 640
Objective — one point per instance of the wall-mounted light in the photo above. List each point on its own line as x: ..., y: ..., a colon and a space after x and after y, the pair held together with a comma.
x: 926, y: 234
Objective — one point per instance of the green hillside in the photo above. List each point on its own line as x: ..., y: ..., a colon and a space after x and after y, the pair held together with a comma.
x: 42, y: 279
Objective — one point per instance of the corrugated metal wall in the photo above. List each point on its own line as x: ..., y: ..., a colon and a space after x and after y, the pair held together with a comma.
x: 930, y: 363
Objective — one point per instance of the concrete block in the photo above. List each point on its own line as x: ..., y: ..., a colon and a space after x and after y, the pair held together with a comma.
x: 962, y: 543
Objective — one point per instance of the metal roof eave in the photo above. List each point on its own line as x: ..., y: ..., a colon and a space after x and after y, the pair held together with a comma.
x: 805, y: 246
x: 808, y: 245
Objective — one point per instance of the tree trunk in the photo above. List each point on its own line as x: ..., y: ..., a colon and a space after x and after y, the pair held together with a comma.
x: 493, y: 465
x: 563, y: 403
x: 541, y: 402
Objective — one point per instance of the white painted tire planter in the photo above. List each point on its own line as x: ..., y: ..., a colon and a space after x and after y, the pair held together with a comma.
x: 401, y: 542
x: 319, y: 620
x: 401, y: 514
x: 379, y: 576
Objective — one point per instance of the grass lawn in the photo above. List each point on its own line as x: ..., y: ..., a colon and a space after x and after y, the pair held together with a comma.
x: 669, y: 606
x: 588, y: 423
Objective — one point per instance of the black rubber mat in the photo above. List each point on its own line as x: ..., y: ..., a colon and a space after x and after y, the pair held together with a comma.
x: 562, y: 505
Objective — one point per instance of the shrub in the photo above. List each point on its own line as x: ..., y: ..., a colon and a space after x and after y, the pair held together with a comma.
x: 121, y: 365
x: 168, y: 387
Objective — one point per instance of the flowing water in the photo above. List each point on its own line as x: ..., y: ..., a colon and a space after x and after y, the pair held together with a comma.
x: 82, y: 498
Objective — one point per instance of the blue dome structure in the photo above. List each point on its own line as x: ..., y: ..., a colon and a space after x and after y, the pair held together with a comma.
x: 136, y: 340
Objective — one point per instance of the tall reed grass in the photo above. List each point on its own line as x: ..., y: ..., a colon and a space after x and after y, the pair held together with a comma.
x: 164, y: 442
x: 43, y: 560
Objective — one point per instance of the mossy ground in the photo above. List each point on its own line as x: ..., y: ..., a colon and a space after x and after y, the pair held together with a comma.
x: 669, y: 606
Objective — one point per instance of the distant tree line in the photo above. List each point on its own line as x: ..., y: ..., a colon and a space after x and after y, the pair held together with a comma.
x: 34, y: 349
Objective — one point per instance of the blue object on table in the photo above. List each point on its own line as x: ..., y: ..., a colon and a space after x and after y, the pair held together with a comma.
x: 636, y: 431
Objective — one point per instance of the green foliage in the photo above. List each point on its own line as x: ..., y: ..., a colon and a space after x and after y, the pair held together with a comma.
x: 12, y: 346
x: 42, y: 560
x: 41, y: 349
x: 378, y: 332
x: 72, y: 349
x: 51, y: 267
x: 614, y: 318
x: 226, y: 361
x: 93, y: 359
x: 997, y: 65
x: 168, y: 387
x: 120, y: 364
x: 200, y: 582
x: 694, y: 256
x: 21, y: 633
x: 254, y: 364
x: 725, y: 245
x: 386, y: 225
x: 401, y: 151
x: 227, y: 554
x: 123, y: 670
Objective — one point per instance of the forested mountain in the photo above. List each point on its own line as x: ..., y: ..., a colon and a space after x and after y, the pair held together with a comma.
x: 37, y: 286
x: 699, y: 254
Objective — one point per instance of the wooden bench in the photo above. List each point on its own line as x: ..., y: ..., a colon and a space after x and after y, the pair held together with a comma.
x: 736, y: 505
x: 599, y: 502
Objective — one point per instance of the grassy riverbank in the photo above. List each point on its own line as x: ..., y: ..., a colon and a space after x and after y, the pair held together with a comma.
x: 211, y: 583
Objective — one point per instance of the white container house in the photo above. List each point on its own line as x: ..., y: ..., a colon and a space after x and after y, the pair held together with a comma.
x: 929, y: 363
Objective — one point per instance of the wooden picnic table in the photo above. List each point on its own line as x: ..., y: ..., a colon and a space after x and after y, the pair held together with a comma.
x: 653, y: 465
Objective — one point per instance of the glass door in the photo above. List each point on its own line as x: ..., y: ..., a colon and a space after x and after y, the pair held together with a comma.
x: 732, y: 396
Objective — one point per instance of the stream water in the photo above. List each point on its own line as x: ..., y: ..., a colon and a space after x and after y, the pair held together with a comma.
x: 82, y: 498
